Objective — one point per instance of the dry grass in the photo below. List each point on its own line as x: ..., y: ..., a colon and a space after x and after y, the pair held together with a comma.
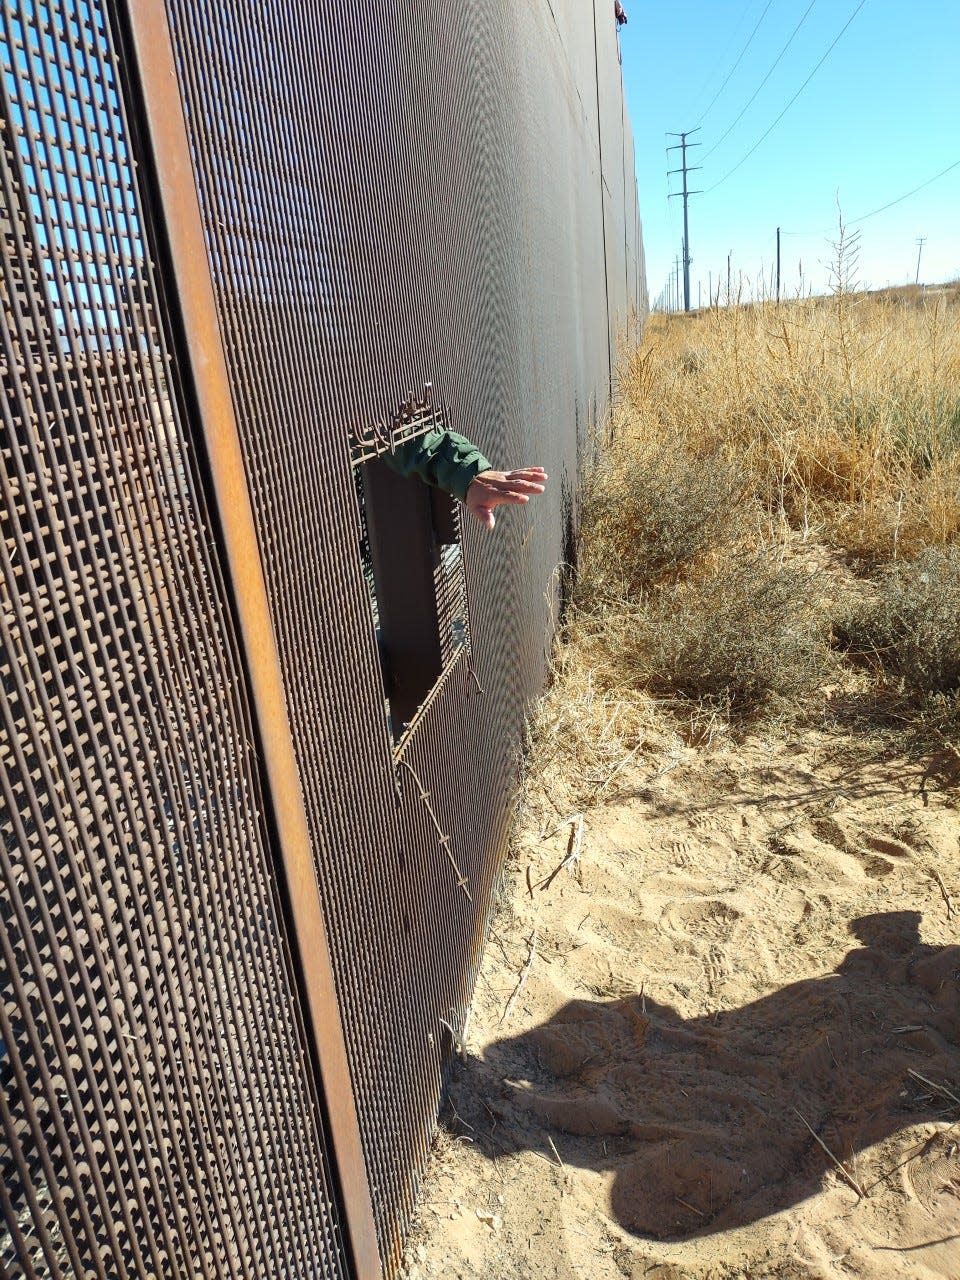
x: 735, y: 638
x: 747, y: 442
x: 650, y: 511
x: 842, y: 416
x: 909, y: 626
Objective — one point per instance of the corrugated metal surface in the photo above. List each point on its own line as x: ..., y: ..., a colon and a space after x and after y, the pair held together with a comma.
x: 411, y: 199
x: 158, y: 1111
x: 415, y: 197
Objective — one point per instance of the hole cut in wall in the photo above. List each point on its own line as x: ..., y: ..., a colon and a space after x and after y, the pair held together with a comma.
x: 411, y: 554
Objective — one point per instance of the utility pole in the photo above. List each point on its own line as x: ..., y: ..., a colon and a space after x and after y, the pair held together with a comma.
x: 778, y: 264
x: 676, y: 285
x: 686, y: 193
x: 921, y: 241
x: 729, y: 256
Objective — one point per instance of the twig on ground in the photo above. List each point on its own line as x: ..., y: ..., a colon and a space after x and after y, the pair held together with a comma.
x: 848, y: 1177
x: 571, y: 857
x: 556, y: 1153
x: 937, y: 1088
x: 692, y: 1207
x: 521, y: 982
x: 943, y: 889
x: 547, y: 835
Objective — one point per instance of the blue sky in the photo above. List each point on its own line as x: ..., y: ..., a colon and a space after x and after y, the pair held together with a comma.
x: 879, y: 117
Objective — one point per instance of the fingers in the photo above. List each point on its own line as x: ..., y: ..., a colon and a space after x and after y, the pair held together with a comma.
x: 506, y: 497
x: 503, y: 488
x: 536, y: 475
x: 485, y: 516
x: 513, y: 482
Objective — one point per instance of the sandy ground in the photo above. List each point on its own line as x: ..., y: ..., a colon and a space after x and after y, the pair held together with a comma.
x: 717, y: 1029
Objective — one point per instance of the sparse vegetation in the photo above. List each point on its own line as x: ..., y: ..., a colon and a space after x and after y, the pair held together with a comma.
x: 778, y: 512
x: 734, y: 637
x: 910, y: 625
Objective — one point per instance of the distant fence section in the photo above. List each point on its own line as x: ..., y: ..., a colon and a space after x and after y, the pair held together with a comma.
x: 262, y: 699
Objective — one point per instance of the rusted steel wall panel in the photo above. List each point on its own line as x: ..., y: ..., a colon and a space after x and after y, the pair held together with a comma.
x: 417, y: 200
x: 158, y: 1111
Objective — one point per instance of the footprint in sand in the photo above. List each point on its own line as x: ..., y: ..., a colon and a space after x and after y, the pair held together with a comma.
x: 682, y: 852
x: 884, y: 845
x: 703, y: 919
x: 715, y: 967
x: 878, y: 855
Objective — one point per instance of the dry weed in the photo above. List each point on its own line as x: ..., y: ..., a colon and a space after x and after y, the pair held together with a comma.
x: 651, y: 508
x: 734, y: 637
x: 910, y: 627
x: 840, y: 415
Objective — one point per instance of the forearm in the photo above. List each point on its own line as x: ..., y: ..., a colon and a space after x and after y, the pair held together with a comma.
x: 443, y: 459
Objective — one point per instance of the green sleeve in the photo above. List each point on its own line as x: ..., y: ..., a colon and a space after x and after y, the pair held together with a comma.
x: 440, y: 458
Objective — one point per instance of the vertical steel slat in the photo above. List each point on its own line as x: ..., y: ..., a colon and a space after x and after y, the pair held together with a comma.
x: 183, y: 230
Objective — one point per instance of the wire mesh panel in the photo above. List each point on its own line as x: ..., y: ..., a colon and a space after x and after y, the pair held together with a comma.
x: 158, y: 1115
x: 415, y: 200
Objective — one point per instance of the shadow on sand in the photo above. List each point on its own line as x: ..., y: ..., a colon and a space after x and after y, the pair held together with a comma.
x: 714, y: 1122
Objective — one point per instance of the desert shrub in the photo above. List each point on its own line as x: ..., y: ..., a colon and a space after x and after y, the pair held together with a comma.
x: 651, y: 509
x: 937, y: 722
x: 736, y: 638
x: 910, y: 626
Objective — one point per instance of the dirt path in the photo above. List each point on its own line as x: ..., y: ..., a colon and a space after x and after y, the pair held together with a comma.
x: 724, y: 1040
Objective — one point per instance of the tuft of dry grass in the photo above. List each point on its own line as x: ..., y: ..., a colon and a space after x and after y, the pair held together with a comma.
x: 763, y: 463
x: 649, y: 509
x: 841, y: 415
x: 746, y: 633
x: 909, y: 626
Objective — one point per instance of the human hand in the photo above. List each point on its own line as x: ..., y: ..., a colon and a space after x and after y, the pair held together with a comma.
x: 495, y: 488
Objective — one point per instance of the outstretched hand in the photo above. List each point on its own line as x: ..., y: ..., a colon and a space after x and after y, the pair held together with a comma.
x: 494, y: 488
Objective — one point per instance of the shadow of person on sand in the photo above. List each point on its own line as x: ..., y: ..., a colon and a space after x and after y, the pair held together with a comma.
x: 714, y: 1122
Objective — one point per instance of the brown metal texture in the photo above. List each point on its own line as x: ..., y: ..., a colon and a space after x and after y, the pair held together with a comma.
x: 419, y: 195
x: 154, y: 81
x: 159, y: 1115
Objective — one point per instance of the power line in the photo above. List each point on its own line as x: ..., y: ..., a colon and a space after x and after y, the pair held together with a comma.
x: 855, y: 222
x: 732, y: 35
x: 883, y: 208
x: 766, y: 135
x: 736, y: 64
x: 763, y: 81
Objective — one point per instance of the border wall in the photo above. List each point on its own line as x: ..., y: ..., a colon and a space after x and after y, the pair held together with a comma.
x: 263, y: 701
